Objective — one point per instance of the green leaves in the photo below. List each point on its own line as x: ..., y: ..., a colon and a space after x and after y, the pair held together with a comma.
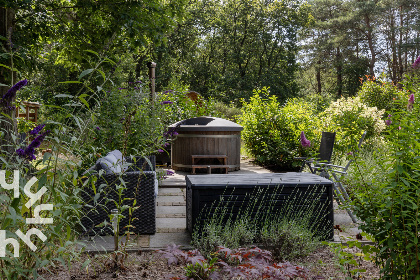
x: 85, y: 72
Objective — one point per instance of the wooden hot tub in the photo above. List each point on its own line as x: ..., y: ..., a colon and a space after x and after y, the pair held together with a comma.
x: 205, y: 136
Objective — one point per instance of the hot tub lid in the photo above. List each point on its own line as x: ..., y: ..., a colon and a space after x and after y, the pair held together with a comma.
x: 206, y: 124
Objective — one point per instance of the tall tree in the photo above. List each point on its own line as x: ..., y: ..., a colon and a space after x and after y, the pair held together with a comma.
x: 331, y: 44
x: 63, y: 29
x: 236, y: 46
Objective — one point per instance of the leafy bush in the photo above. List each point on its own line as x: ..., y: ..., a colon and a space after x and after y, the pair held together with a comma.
x: 389, y: 208
x: 368, y: 170
x: 128, y: 121
x: 229, y: 112
x: 350, y: 117
x: 380, y: 94
x: 319, y: 101
x: 271, y: 133
x: 90, y: 113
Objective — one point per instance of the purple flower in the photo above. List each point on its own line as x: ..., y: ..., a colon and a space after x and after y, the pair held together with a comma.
x: 388, y: 121
x: 98, y: 128
x: 399, y: 128
x: 20, y: 152
x: 175, y: 133
x: 349, y: 153
x: 166, y: 145
x: 410, y: 102
x: 168, y: 91
x: 411, y: 98
x: 11, y: 93
x: 166, y: 102
x: 29, y: 152
x: 160, y: 151
x: 37, y: 129
x: 169, y: 172
x: 416, y: 63
x: 139, y: 82
x: 303, y: 141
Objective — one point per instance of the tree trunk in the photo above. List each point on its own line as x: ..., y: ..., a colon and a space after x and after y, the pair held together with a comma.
x: 400, y: 56
x: 318, y: 77
x: 8, y: 125
x: 339, y: 73
x: 369, y: 36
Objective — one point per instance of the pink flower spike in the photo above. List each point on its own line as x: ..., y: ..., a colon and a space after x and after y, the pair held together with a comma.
x: 410, y: 102
x: 411, y: 99
x: 303, y: 141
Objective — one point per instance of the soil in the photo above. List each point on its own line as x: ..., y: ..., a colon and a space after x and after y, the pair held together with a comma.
x: 149, y: 265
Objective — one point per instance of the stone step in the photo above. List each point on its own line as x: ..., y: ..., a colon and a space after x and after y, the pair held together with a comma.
x: 172, y: 194
x: 171, y: 203
x: 171, y: 210
x: 163, y: 190
x: 171, y: 230
x: 180, y: 223
x: 178, y: 198
x: 179, y: 215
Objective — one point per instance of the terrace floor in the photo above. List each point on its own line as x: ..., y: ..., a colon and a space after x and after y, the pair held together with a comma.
x: 171, y: 218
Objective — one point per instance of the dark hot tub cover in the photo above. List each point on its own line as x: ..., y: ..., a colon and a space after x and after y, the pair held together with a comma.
x: 206, y: 124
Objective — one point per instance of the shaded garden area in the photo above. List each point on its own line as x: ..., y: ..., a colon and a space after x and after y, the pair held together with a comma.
x: 286, y: 71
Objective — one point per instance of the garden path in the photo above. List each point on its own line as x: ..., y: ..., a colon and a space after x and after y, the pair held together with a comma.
x: 171, y: 218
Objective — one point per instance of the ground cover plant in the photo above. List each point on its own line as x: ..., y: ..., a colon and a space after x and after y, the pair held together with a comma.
x: 246, y: 263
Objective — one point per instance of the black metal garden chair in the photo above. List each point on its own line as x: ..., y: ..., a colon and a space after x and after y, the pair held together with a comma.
x: 336, y: 173
x: 324, y: 154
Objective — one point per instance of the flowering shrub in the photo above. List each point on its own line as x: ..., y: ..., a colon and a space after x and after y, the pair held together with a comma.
x: 272, y: 133
x: 388, y: 202
x: 349, y: 117
x: 6, y: 100
x: 29, y: 152
x: 382, y: 95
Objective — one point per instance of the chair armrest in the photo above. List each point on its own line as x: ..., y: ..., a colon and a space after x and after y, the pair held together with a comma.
x: 331, y: 165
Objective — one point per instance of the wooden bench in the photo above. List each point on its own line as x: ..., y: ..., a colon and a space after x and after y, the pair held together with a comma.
x: 222, y: 158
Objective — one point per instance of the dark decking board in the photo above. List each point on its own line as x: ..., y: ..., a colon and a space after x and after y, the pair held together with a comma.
x: 206, y: 193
